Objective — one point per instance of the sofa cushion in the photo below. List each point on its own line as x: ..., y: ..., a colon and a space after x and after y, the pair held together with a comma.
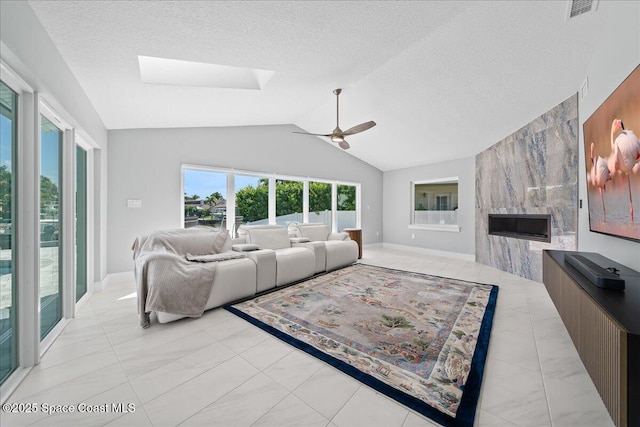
x: 340, y: 253
x: 293, y: 264
x: 314, y: 232
x: 199, y: 241
x: 269, y: 237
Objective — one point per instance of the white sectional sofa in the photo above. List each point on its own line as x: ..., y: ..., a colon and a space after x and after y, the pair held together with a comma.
x: 177, y: 270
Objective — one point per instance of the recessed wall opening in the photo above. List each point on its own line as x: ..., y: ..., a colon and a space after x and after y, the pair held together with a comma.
x: 528, y: 227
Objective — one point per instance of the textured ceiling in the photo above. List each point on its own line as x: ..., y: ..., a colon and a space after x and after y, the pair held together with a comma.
x: 442, y: 79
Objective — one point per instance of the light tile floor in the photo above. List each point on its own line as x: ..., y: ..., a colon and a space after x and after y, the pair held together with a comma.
x: 219, y: 370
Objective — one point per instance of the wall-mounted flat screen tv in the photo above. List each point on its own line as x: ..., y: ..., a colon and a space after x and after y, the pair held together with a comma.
x: 612, y: 150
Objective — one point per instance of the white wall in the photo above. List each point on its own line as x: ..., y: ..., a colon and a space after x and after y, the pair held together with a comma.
x: 145, y: 164
x: 615, y: 57
x: 397, y: 207
x: 28, y: 50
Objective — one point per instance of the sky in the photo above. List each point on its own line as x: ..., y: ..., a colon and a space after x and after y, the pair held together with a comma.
x: 49, y: 148
x: 50, y: 156
x: 5, y: 142
x: 204, y: 183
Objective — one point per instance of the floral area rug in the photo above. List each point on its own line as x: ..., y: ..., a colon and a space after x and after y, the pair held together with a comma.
x: 421, y: 340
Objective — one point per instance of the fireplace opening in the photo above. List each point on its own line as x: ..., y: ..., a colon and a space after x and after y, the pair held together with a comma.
x: 529, y: 227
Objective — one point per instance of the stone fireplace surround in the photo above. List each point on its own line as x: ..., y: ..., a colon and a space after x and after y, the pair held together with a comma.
x: 533, y: 171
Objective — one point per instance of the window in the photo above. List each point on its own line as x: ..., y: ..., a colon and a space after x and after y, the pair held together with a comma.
x: 256, y: 198
x: 320, y: 202
x: 8, y: 283
x: 346, y: 207
x: 434, y: 204
x: 50, y: 226
x: 288, y: 202
x: 205, y: 198
x: 252, y: 199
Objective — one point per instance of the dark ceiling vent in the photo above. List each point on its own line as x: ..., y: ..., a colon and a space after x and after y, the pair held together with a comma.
x: 579, y: 7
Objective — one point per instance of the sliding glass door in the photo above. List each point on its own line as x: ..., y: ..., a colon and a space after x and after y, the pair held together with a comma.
x: 50, y: 226
x: 8, y: 300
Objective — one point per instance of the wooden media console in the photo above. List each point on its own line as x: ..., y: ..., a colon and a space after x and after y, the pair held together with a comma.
x: 604, y: 326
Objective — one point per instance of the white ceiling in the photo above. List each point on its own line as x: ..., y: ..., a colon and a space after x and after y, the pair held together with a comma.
x: 442, y: 79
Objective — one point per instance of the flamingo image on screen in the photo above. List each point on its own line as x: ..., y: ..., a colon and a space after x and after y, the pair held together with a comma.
x: 612, y: 151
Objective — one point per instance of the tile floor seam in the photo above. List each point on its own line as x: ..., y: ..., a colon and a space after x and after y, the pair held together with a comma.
x: 343, y: 405
x: 220, y: 397
x: 126, y: 375
x: 405, y: 419
x: 70, y: 360
x: 275, y: 380
x: 86, y: 398
x: 183, y: 382
x: 544, y: 383
x: 101, y: 322
x: 290, y: 394
x: 266, y: 367
x: 163, y: 344
x: 504, y: 419
x: 346, y: 403
x: 64, y: 382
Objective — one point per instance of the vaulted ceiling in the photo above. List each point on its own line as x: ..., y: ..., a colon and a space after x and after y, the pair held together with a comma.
x: 442, y: 79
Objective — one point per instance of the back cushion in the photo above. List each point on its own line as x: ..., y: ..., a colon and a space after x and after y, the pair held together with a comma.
x: 194, y: 241
x: 314, y: 232
x: 269, y: 238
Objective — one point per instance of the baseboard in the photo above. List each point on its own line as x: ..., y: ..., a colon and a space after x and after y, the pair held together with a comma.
x: 434, y: 252
x: 125, y: 276
x: 12, y: 382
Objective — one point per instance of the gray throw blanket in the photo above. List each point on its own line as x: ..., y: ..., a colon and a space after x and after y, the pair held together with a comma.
x: 165, y: 280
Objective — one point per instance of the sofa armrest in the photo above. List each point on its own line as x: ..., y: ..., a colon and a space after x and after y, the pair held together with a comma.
x: 298, y: 240
x: 245, y: 247
x: 339, y: 236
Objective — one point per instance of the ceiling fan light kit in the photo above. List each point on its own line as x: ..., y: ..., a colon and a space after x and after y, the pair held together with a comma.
x: 337, y: 136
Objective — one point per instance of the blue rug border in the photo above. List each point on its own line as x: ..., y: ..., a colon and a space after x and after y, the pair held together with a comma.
x: 469, y: 402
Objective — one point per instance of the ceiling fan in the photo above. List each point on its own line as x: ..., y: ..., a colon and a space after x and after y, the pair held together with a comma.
x: 338, y: 134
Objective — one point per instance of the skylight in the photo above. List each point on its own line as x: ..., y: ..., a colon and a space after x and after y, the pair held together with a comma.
x: 188, y: 73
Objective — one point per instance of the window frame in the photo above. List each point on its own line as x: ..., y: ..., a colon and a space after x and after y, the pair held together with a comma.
x: 14, y: 356
x: 454, y: 228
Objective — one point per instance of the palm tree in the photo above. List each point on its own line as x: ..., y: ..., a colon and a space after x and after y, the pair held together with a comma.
x: 212, y: 200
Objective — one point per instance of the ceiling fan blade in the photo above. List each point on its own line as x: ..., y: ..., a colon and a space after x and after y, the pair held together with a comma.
x: 344, y: 144
x: 359, y: 128
x: 315, y: 134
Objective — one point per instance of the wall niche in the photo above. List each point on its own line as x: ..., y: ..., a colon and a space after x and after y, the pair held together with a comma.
x: 533, y: 171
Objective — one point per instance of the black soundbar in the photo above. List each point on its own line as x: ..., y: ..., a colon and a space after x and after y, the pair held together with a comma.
x: 599, y: 276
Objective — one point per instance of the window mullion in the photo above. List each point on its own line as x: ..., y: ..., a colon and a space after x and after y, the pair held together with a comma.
x: 28, y: 208
x: 305, y: 201
x: 230, y: 207
x: 334, y: 207
x: 272, y: 200
x: 67, y: 217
